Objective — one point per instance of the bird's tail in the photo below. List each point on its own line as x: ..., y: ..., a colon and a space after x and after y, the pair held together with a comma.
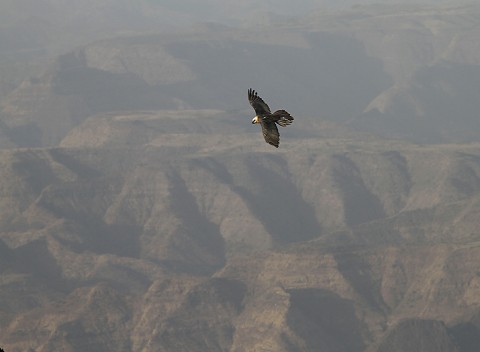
x: 283, y: 118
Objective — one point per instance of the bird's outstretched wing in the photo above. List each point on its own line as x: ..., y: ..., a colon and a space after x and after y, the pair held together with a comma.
x: 270, y: 133
x: 257, y: 103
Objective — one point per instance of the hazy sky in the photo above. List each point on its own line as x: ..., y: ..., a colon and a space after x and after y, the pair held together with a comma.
x: 173, y: 12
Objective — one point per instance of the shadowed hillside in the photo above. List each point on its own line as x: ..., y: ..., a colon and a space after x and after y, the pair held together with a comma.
x: 187, y: 242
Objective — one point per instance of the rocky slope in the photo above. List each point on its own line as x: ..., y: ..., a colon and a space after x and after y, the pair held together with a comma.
x: 190, y: 242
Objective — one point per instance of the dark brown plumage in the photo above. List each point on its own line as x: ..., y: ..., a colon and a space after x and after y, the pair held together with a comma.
x: 267, y: 119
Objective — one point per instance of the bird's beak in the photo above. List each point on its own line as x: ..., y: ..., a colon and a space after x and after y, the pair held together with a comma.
x: 255, y: 120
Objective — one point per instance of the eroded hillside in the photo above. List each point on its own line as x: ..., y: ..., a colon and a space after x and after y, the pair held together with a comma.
x: 140, y: 210
x: 189, y: 242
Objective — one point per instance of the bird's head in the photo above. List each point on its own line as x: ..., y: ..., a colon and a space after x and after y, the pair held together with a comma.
x: 255, y: 120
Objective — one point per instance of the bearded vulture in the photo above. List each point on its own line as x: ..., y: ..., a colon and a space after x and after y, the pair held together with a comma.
x: 267, y: 119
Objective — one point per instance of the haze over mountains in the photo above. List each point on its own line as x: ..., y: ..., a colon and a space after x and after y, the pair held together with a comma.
x: 142, y: 211
x: 400, y: 72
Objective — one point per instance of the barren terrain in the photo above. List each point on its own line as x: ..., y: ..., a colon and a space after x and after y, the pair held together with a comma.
x: 140, y: 210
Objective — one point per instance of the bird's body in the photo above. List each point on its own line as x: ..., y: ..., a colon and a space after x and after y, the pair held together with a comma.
x: 267, y: 119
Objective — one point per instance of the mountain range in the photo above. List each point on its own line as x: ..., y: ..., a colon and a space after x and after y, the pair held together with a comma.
x: 142, y: 211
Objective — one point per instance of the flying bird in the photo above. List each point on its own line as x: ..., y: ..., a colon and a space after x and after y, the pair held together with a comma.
x: 267, y: 119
